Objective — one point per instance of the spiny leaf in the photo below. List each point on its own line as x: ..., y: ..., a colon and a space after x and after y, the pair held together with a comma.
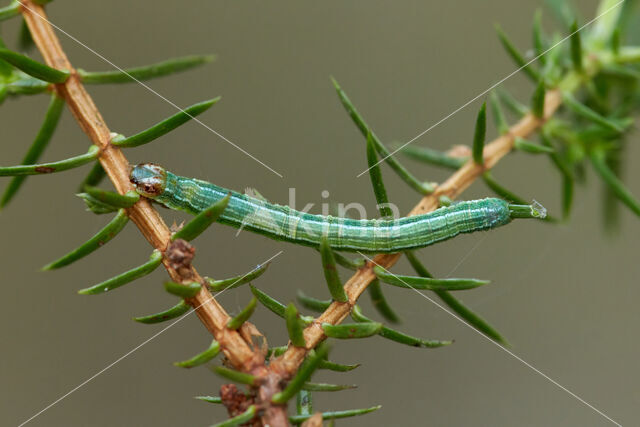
x: 608, y: 13
x: 537, y: 100
x: 188, y: 290
x: 498, y: 114
x: 575, y: 155
x: 210, y: 399
x: 145, y: 72
x: 234, y: 282
x: 233, y: 375
x: 25, y: 41
x: 122, y: 279
x: 380, y: 302
x: 6, y: 70
x: 203, y: 220
x: 271, y: 303
x: 304, y: 373
x: 456, y: 306
x: 598, y: 159
x: 397, y: 336
x: 25, y: 85
x: 237, y: 321
x: 620, y: 71
x: 113, y: 199
x: 576, y: 47
x: 555, y: 68
x: 628, y: 54
x: 376, y: 179
x: 201, y: 358
x: 53, y: 167
x: 351, y: 330
x: 565, y: 170
x: 627, y: 16
x: 103, y: 236
x: 351, y: 264
x: 596, y: 96
x: 480, y: 134
x: 403, y: 173
x: 95, y: 205
x: 299, y: 419
x: 611, y: 203
x: 554, y: 71
x: 337, y: 367
x: 539, y: 42
x: 7, y: 12
x: 615, y: 42
x: 277, y: 351
x: 94, y: 177
x: 165, y: 126
x: 304, y: 403
x: 516, y: 56
x: 413, y: 282
x: 51, y: 119
x: 567, y: 196
x: 530, y: 147
x: 596, y: 133
x: 295, y: 326
x: 434, y: 157
x: 34, y: 68
x: 331, y: 272
x: 327, y: 387
x: 176, y: 311
x: 324, y: 364
x: 587, y: 113
x: 470, y: 317
x: 563, y: 11
x: 243, y: 418
x: 311, y: 303
x: 500, y: 190
x: 511, y: 103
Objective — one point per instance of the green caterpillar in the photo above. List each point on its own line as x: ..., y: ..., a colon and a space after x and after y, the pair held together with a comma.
x: 343, y: 234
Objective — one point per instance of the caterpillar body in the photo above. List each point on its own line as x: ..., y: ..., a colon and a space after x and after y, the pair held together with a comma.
x: 343, y: 234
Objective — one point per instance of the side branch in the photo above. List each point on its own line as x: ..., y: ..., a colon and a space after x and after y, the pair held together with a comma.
x: 146, y: 218
x: 288, y: 363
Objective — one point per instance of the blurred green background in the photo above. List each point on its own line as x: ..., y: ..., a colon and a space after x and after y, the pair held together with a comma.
x: 564, y: 296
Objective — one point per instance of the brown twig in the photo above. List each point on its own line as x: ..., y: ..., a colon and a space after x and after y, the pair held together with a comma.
x: 288, y: 363
x: 237, y: 349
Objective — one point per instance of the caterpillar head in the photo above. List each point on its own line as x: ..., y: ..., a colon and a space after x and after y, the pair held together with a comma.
x: 149, y: 179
